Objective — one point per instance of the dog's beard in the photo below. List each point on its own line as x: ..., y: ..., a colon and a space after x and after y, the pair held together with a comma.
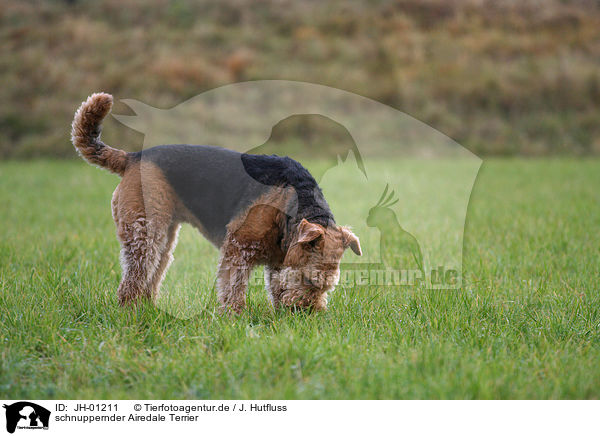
x: 304, y: 287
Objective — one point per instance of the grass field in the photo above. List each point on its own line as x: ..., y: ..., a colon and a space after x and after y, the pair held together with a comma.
x: 525, y: 325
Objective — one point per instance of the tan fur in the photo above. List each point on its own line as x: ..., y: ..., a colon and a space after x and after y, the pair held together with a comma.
x: 307, y: 274
x: 85, y: 134
x: 252, y: 239
x: 146, y: 213
x: 301, y: 277
x: 302, y: 263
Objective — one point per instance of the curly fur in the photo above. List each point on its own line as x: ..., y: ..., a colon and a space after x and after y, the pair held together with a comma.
x: 302, y: 253
x: 85, y: 134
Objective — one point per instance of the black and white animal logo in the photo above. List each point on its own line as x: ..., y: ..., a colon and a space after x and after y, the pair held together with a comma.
x: 26, y: 415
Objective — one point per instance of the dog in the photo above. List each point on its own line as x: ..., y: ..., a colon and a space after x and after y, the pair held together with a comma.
x: 255, y: 209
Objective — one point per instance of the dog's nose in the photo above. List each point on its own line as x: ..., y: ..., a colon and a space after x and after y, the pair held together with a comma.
x: 309, y: 281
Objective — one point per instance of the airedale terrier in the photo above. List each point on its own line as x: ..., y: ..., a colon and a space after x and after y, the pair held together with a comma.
x: 256, y: 209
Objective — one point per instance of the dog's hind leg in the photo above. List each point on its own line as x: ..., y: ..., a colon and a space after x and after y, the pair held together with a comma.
x: 142, y: 247
x: 166, y: 257
x: 147, y: 232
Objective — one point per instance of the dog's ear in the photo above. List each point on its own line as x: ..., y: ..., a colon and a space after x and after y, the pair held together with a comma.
x: 349, y: 239
x: 308, y: 231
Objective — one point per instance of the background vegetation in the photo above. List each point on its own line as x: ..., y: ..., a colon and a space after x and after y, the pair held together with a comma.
x: 500, y: 77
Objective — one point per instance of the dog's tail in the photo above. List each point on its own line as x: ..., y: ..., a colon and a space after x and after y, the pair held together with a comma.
x: 85, y: 134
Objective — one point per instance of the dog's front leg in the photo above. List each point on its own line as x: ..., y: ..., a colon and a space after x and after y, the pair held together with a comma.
x: 273, y: 284
x: 232, y: 283
x: 232, y: 277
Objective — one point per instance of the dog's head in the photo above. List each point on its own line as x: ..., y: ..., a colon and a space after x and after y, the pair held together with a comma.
x: 311, y: 267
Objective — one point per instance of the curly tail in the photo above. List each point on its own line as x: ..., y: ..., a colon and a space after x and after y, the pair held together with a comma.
x: 85, y: 134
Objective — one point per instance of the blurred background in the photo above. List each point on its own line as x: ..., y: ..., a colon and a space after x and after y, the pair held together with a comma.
x: 499, y: 77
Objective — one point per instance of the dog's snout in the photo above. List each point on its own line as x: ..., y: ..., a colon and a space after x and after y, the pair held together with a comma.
x: 311, y: 282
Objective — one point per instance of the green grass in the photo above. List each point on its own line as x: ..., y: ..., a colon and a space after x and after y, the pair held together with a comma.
x: 525, y: 325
